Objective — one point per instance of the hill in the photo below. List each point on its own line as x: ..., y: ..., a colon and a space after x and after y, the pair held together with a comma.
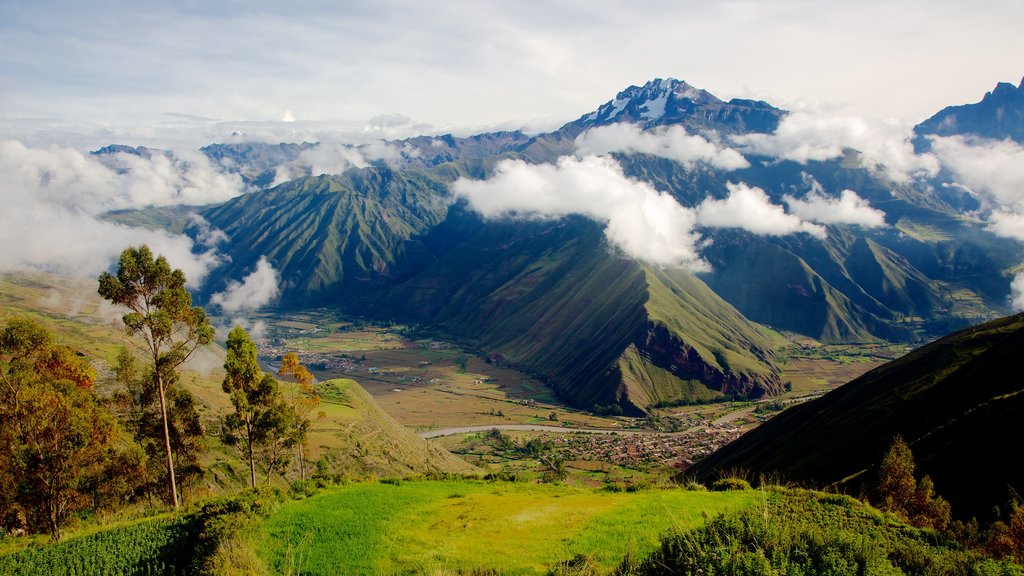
x: 956, y: 401
x: 356, y: 437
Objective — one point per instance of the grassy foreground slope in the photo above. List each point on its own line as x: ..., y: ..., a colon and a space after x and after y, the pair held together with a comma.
x: 515, y: 528
x: 957, y: 402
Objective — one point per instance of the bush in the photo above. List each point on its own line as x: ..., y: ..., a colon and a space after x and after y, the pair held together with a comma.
x: 726, y: 484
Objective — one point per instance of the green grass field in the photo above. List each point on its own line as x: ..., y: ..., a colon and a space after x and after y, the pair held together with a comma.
x: 516, y: 528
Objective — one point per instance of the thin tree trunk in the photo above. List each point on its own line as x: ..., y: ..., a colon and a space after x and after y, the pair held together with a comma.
x: 252, y: 460
x: 167, y: 438
x: 302, y: 464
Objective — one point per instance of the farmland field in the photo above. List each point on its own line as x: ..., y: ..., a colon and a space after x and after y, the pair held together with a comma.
x: 424, y: 527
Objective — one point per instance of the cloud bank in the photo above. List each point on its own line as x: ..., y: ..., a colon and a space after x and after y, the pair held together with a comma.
x: 52, y: 199
x: 672, y: 143
x: 994, y: 172
x: 258, y: 289
x: 803, y: 137
x: 643, y: 222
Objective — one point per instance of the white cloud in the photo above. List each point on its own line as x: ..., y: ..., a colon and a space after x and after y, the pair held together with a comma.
x: 52, y: 198
x: 643, y: 222
x: 672, y: 143
x: 749, y: 208
x: 334, y: 157
x: 994, y: 172
x: 1017, y: 292
x: 849, y: 208
x: 803, y: 137
x: 258, y: 289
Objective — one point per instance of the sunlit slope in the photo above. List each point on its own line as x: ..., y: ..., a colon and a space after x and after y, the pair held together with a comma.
x: 331, y: 236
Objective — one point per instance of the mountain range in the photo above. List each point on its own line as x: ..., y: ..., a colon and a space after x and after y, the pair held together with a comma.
x: 387, y: 238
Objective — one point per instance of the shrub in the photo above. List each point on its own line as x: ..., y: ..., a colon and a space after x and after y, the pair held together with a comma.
x: 725, y: 484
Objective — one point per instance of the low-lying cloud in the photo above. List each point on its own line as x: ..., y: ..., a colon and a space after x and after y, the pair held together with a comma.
x: 849, y: 208
x: 993, y: 171
x: 258, y: 289
x: 673, y: 143
x: 803, y: 137
x: 749, y: 208
x: 643, y: 222
x: 53, y: 197
x: 1017, y: 292
x: 334, y: 157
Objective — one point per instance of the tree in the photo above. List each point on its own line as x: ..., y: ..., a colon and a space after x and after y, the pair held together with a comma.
x: 262, y: 422
x: 898, y: 492
x: 59, y: 447
x: 138, y: 404
x: 303, y: 401
x: 161, y: 313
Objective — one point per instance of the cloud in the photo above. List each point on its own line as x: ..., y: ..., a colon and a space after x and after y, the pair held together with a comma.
x: 255, y: 291
x: 334, y: 157
x: 803, y: 137
x: 672, y: 143
x: 849, y: 208
x: 993, y: 171
x: 52, y: 199
x: 749, y: 208
x: 646, y: 224
x: 643, y: 222
x: 1017, y: 292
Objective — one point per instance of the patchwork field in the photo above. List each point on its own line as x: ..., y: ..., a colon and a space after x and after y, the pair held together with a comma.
x: 423, y: 383
x: 458, y: 527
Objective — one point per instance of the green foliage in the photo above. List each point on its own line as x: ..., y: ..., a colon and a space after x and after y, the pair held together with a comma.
x: 152, y: 547
x: 160, y: 311
x: 803, y: 533
x: 262, y: 423
x: 725, y: 484
x: 898, y: 492
x: 137, y: 401
x: 59, y: 448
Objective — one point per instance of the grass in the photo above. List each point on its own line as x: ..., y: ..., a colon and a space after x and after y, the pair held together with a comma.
x: 516, y: 528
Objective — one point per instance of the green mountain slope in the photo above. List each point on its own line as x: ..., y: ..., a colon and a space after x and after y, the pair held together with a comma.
x: 956, y: 401
x: 331, y: 236
x: 603, y: 330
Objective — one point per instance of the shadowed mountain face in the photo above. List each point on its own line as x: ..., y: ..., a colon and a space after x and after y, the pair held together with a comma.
x: 998, y: 116
x: 956, y: 401
x: 605, y: 330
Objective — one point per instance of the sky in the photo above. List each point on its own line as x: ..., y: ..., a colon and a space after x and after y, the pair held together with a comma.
x: 178, y: 72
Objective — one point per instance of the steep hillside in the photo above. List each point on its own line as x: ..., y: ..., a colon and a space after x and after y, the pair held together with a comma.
x: 956, y: 401
x: 331, y: 237
x: 603, y: 330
